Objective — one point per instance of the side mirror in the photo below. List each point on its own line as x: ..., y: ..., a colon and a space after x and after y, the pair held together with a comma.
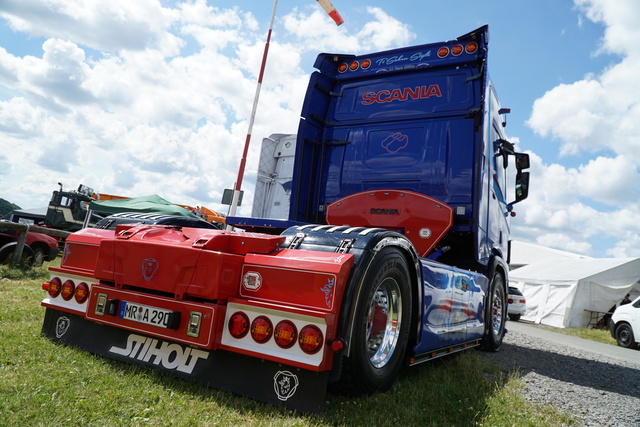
x: 522, y: 186
x: 522, y: 161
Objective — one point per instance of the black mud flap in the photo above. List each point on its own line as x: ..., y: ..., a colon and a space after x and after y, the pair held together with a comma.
x: 263, y: 380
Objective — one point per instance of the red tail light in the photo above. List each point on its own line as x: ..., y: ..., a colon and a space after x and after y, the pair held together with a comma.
x: 67, y: 290
x: 285, y: 334
x: 457, y: 50
x: 238, y: 325
x: 471, y: 47
x: 443, y: 51
x: 310, y: 339
x: 55, y: 286
x: 261, y: 329
x: 82, y: 293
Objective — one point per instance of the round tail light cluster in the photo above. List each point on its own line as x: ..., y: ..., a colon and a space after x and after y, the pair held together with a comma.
x: 285, y: 334
x: 67, y: 290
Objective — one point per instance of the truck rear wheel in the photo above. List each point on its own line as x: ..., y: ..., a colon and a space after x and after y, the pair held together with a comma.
x: 495, y: 314
x: 382, y: 323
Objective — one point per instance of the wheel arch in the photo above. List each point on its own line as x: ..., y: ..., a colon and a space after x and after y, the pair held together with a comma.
x: 498, y: 264
x: 356, y: 282
x: 40, y: 246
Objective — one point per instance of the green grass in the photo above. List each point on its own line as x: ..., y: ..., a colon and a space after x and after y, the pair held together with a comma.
x: 598, y: 335
x: 43, y: 384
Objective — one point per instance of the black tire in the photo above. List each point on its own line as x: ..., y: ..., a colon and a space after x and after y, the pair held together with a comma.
x: 382, y: 324
x: 8, y: 250
x: 495, y: 314
x: 624, y: 336
x: 514, y: 317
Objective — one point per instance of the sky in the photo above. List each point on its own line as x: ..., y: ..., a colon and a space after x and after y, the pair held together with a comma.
x: 154, y: 97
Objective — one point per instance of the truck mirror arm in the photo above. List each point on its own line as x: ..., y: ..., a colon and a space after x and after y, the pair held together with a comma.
x: 506, y: 149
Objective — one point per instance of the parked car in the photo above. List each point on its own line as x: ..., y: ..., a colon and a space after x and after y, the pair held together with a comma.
x: 110, y: 222
x: 38, y: 248
x: 517, y: 304
x: 625, y: 324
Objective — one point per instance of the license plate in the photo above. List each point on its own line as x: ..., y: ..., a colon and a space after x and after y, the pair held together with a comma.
x: 145, y: 314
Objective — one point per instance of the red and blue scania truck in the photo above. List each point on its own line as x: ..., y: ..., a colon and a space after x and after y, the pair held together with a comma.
x: 395, y: 250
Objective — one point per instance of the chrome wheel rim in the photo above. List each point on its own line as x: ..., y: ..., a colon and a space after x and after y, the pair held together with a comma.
x: 497, y: 309
x: 384, y: 319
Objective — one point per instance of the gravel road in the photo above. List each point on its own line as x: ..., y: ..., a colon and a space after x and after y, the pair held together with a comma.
x: 595, y: 383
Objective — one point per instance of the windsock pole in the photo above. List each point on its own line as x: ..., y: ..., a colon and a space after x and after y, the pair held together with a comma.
x: 333, y: 13
x: 243, y: 161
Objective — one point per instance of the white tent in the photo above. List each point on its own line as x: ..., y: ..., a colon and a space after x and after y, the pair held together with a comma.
x: 558, y: 291
x: 523, y: 253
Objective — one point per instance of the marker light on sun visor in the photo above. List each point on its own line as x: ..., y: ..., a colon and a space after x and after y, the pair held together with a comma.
x: 471, y: 47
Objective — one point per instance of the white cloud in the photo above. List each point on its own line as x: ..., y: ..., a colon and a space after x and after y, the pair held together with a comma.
x: 558, y: 212
x: 383, y: 32
x: 598, y: 114
x: 609, y: 180
x: 112, y: 25
x: 18, y: 118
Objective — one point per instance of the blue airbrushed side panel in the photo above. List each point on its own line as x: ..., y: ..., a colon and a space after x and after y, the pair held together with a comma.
x: 452, y: 306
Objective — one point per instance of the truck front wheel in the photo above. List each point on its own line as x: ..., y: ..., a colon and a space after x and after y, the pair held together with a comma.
x: 382, y: 323
x: 495, y: 314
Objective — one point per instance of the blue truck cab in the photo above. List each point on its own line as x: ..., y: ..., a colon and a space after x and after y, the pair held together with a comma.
x: 424, y: 119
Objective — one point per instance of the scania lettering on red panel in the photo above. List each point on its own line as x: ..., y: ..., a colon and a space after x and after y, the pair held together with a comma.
x: 419, y: 92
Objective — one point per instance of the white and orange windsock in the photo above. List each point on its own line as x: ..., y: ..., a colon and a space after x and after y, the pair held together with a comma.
x: 333, y: 13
